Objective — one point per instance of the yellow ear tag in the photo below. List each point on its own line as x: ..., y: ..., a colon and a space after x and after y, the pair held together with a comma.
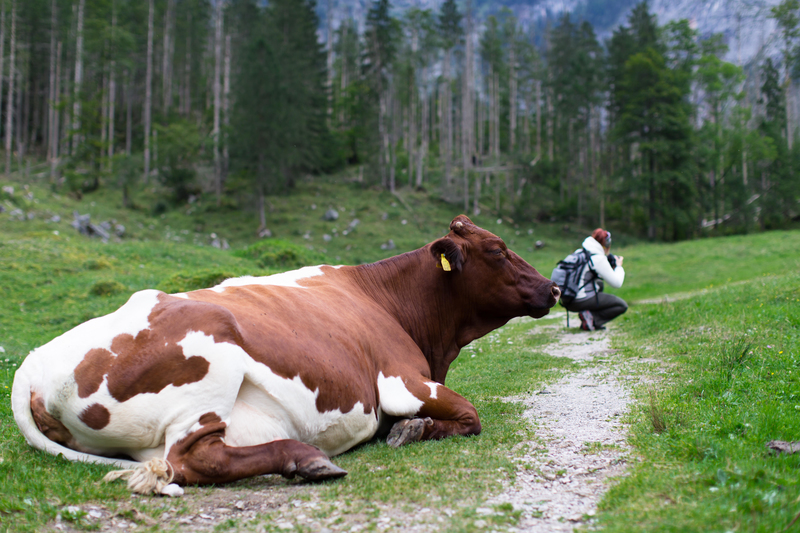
x: 445, y: 264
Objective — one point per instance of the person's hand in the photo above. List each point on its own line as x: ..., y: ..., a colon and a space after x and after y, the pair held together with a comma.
x: 619, y: 260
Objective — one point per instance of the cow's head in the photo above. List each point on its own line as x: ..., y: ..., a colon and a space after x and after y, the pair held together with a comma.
x: 495, y: 280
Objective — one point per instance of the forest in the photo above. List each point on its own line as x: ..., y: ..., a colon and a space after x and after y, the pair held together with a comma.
x: 650, y: 130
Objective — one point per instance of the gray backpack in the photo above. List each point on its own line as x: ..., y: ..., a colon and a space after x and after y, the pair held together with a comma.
x: 567, y: 274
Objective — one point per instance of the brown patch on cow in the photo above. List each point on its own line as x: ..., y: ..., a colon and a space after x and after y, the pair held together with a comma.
x: 90, y: 372
x: 51, y: 427
x: 96, y: 416
x: 153, y: 359
x: 148, y: 363
x: 209, y: 418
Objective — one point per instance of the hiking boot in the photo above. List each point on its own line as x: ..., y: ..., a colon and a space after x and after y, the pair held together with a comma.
x: 587, y: 320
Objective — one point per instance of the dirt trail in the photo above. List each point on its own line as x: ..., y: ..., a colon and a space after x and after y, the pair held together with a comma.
x: 582, y: 439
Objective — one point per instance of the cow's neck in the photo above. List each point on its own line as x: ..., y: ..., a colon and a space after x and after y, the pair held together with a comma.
x: 410, y: 288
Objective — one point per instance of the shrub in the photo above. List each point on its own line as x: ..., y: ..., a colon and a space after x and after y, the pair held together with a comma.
x: 107, y: 288
x: 281, y: 255
x: 192, y: 281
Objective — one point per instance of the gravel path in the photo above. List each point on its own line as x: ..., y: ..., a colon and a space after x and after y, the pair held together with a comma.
x: 582, y: 439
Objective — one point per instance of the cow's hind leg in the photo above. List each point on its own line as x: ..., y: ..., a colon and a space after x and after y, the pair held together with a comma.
x: 203, y: 458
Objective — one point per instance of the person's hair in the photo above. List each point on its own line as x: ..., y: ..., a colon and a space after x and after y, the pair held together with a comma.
x: 602, y: 236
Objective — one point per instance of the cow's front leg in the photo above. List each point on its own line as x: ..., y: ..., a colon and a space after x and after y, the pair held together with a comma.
x: 442, y: 413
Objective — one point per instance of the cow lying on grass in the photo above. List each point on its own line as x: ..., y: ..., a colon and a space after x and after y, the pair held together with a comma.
x: 263, y: 375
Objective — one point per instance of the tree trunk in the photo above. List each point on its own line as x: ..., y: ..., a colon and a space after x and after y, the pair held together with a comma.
x: 550, y: 125
x: 187, y: 82
x: 412, y: 132
x: 262, y: 212
x: 226, y: 106
x: 10, y: 104
x: 2, y: 45
x: 383, y: 139
x: 496, y: 93
x: 148, y: 91
x: 112, y: 92
x: 343, y: 68
x: 412, y: 111
x: 103, y: 117
x: 526, y: 126
x: 424, y: 135
x: 789, y: 126
x: 329, y: 62
x: 539, y: 119
x: 447, y: 113
x: 66, y: 123
x: 481, y: 127
x: 76, y: 105
x: 52, y: 87
x: 393, y: 138
x: 467, y: 106
x: 128, y: 115
x: 440, y: 120
x: 166, y: 62
x: 490, y: 105
x: 217, y: 99
x: 512, y: 105
x: 54, y: 132
x: 20, y: 113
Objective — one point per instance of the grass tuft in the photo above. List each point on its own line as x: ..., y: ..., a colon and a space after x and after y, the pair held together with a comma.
x: 656, y: 412
x: 734, y: 357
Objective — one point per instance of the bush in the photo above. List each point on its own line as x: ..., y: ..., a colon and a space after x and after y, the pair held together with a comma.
x: 281, y: 255
x: 107, y: 288
x: 192, y: 281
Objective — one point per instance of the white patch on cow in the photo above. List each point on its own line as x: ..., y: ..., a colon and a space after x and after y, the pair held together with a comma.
x: 395, y: 398
x: 270, y: 407
x: 433, y: 386
x: 181, y: 295
x: 284, y: 279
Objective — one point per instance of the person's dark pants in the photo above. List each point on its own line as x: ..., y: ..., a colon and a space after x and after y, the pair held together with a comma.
x: 604, y: 308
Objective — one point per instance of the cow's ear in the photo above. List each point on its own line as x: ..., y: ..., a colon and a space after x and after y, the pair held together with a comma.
x: 448, y: 250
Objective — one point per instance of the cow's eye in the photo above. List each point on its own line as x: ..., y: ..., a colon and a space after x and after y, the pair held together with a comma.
x: 497, y: 252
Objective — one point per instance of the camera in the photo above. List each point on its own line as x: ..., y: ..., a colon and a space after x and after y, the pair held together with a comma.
x: 612, y: 260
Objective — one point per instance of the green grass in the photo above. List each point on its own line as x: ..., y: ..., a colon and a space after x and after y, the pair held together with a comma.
x: 732, y: 383
x: 653, y: 270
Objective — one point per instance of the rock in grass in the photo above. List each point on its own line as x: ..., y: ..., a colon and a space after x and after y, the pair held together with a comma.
x: 781, y: 446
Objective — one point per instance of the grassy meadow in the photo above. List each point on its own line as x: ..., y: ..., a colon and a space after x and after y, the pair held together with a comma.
x: 725, y: 360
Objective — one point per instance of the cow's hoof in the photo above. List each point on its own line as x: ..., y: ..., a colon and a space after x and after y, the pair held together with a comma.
x: 407, y: 430
x: 320, y: 468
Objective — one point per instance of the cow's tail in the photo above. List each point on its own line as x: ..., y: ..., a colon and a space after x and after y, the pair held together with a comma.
x: 21, y: 405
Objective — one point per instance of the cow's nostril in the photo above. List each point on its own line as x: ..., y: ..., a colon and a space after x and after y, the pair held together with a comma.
x: 556, y: 292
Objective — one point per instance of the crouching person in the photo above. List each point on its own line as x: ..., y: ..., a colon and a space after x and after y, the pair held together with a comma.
x: 581, y: 277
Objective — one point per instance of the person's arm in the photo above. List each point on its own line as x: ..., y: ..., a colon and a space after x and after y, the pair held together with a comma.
x: 613, y: 276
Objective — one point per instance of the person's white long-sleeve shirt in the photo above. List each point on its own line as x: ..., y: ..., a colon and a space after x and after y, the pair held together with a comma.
x: 598, y: 267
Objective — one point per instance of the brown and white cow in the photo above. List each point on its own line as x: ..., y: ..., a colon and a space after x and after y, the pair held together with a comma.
x: 263, y: 375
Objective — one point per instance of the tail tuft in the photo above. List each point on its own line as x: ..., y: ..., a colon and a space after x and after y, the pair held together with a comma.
x: 148, y: 478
